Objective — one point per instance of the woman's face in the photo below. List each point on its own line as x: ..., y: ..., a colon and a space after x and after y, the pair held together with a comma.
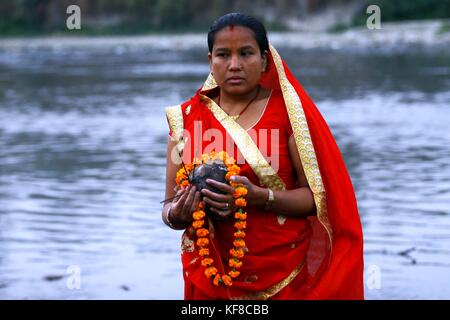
x: 236, y: 61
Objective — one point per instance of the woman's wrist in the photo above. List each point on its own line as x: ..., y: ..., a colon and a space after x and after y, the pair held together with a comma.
x: 261, y: 196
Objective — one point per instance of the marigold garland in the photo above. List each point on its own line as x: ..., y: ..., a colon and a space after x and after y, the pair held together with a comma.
x: 239, y: 249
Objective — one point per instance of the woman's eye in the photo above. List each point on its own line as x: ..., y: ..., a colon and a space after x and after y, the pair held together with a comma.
x: 222, y: 55
x: 246, y: 53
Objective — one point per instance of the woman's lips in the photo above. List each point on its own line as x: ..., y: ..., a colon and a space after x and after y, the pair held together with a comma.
x: 235, y: 80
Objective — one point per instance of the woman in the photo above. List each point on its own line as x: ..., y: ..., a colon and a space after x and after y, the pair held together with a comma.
x: 304, y: 238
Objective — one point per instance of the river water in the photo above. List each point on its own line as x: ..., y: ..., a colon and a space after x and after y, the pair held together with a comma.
x: 82, y: 165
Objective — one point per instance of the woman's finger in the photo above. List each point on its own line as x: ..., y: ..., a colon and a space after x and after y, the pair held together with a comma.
x: 240, y: 179
x: 182, y: 198
x: 189, y: 200
x: 221, y: 186
x: 216, y: 196
x: 196, y: 201
x: 216, y: 204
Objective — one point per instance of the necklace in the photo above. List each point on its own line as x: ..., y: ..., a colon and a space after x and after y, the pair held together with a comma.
x: 235, y: 117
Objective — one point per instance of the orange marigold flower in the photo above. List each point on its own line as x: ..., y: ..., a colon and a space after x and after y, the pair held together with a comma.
x: 240, y: 216
x: 213, y: 155
x: 227, y: 280
x: 203, y: 252
x: 240, y: 224
x: 229, y: 161
x: 217, y: 279
x: 201, y: 205
x: 205, y: 158
x: 198, y: 215
x: 235, y: 184
x: 235, y: 263
x: 239, y: 234
x: 202, y: 232
x: 207, y: 262
x: 241, y: 202
x: 239, y: 243
x: 234, y: 273
x: 234, y: 168
x: 210, y: 271
x: 180, y: 177
x: 198, y: 224
x: 237, y: 253
x: 223, y: 155
x: 240, y: 192
x: 202, y: 242
x: 229, y: 175
x: 184, y: 184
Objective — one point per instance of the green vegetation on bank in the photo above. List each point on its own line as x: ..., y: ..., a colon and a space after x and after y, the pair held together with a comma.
x: 125, y: 17
x: 402, y: 10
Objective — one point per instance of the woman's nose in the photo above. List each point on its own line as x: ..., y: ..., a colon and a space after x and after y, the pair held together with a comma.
x: 235, y: 63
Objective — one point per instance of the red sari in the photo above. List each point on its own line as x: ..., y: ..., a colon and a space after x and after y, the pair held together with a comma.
x: 319, y: 257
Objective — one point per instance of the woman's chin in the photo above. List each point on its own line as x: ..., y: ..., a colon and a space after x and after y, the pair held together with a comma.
x: 237, y: 90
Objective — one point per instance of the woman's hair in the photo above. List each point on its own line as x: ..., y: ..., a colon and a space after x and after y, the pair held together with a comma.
x: 239, y: 19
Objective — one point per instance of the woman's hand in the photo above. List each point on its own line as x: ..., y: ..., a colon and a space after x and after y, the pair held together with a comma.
x: 182, y: 207
x: 256, y: 196
x: 222, y: 205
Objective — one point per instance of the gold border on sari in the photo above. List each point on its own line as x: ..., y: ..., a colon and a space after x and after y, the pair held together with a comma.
x: 174, y: 116
x: 304, y: 143
x: 266, y: 294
